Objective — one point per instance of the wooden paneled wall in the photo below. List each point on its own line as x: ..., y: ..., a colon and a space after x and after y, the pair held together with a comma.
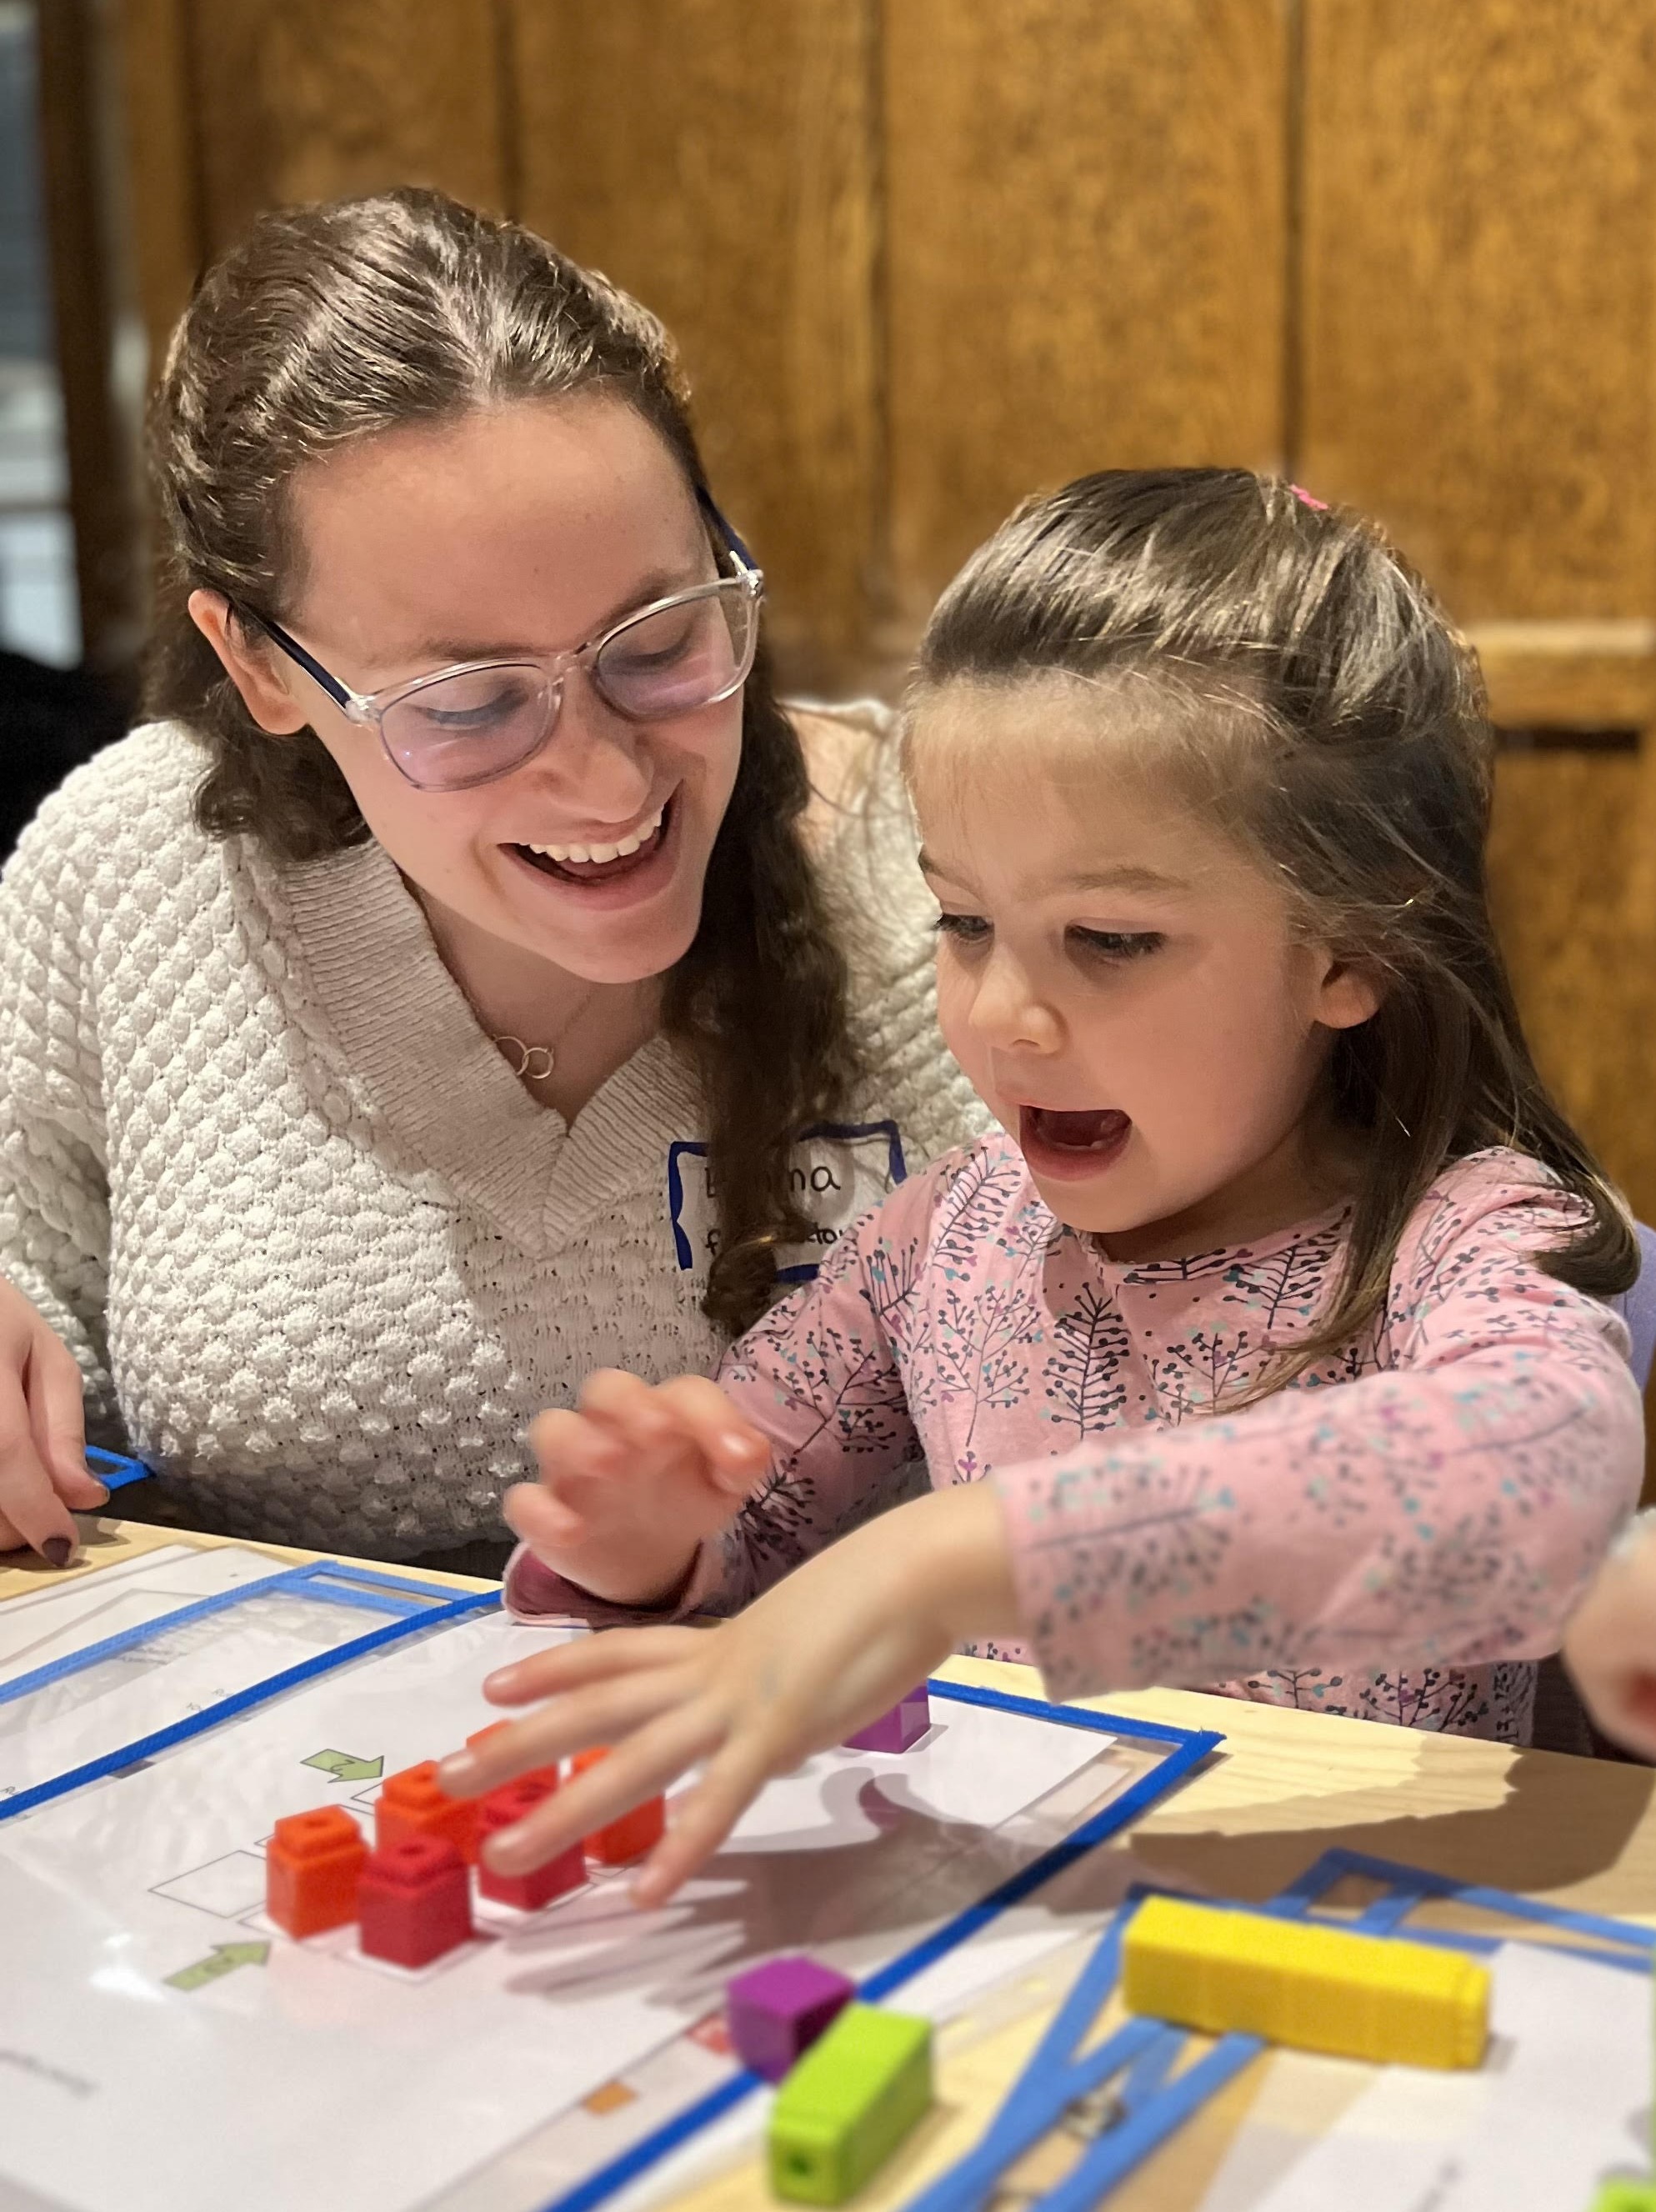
x: 924, y: 256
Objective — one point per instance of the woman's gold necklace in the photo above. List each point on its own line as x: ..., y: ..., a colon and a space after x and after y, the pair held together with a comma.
x: 537, y: 1063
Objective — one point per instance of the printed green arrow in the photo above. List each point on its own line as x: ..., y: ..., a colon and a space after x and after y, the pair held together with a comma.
x: 346, y: 1766
x: 224, y: 1958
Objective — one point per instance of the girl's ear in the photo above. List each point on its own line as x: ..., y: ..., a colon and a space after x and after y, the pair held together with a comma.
x: 249, y: 666
x: 1348, y: 995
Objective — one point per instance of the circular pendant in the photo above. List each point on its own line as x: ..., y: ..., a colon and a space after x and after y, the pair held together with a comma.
x: 534, y: 1062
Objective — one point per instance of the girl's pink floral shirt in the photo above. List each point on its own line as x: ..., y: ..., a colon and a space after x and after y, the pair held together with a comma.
x: 1392, y: 1536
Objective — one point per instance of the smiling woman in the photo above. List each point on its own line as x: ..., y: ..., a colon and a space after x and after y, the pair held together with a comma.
x: 455, y: 987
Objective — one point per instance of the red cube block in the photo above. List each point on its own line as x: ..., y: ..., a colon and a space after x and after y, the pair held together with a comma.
x: 628, y: 1839
x: 414, y: 1901
x: 415, y: 1804
x: 313, y: 1864
x: 503, y: 1809
x: 546, y: 1776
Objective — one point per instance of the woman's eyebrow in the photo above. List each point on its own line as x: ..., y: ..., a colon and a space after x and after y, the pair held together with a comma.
x: 660, y: 584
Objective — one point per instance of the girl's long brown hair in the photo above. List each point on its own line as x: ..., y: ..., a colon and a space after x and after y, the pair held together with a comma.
x: 334, y: 323
x: 1299, y: 680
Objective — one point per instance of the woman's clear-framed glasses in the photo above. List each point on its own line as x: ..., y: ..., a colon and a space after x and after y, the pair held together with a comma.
x: 472, y: 723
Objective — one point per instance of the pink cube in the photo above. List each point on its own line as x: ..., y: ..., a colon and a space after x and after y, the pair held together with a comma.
x: 899, y: 1729
x: 775, y: 2013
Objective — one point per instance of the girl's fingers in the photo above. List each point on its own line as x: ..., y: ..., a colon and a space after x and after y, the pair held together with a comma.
x: 566, y: 1443
x: 605, y: 1714
x: 540, y: 1519
x: 737, y: 1455
x: 704, y: 1816
x: 590, y: 1659
x: 643, y: 1767
x: 628, y: 1405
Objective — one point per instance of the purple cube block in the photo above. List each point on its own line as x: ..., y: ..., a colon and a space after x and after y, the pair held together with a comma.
x: 904, y: 1725
x: 777, y: 2011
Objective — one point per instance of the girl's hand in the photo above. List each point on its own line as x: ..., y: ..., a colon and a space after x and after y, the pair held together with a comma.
x: 822, y: 1655
x: 1609, y: 1646
x: 632, y: 1483
x: 43, y: 1474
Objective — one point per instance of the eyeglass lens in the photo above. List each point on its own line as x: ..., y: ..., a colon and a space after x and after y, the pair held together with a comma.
x: 470, y: 728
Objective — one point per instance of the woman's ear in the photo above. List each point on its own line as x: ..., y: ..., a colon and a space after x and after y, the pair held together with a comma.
x: 248, y: 662
x: 1348, y: 994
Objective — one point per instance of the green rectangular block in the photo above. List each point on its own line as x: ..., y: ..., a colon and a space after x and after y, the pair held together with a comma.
x: 1626, y: 2196
x: 848, y: 2103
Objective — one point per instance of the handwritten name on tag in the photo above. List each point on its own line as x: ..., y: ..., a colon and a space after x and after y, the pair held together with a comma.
x: 837, y: 1173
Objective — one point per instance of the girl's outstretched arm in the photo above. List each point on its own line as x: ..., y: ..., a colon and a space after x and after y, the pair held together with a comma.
x: 828, y: 1649
x: 1451, y: 1506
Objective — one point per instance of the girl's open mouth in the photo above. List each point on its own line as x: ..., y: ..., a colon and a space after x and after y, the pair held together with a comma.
x: 1057, y: 1141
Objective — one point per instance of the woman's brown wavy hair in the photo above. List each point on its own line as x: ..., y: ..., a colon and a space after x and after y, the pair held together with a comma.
x: 333, y: 323
x: 1276, y: 665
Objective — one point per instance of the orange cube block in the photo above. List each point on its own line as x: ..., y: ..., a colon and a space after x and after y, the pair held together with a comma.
x: 622, y: 1841
x: 413, y: 1806
x: 544, y: 1778
x: 313, y: 1865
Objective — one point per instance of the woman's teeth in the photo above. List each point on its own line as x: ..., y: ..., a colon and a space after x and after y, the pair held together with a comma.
x: 640, y: 837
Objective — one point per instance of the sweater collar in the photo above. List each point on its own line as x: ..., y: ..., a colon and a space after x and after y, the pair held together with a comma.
x: 435, y: 1081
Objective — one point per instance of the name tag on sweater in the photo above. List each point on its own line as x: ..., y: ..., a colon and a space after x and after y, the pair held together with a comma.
x: 838, y: 1171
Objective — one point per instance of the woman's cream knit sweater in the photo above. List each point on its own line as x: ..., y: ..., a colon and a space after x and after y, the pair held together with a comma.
x: 319, y: 1256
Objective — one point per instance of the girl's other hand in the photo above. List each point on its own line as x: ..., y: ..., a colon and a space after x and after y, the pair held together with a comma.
x: 1609, y: 1646
x: 820, y: 1655
x: 43, y: 1472
x: 632, y: 1482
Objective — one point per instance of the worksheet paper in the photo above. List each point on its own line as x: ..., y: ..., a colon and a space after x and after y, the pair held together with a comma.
x: 163, y: 2049
x: 172, y: 1671
x: 1561, y: 2103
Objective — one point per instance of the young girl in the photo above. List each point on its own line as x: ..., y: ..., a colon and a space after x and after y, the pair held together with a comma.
x: 1273, y: 1318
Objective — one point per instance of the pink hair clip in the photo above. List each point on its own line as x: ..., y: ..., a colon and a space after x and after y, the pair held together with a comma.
x: 1306, y: 500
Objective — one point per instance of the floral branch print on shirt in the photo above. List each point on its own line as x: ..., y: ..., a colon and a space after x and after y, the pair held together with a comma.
x: 1392, y: 1536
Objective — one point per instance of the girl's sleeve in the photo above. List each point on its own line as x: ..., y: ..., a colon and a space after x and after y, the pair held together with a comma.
x: 1458, y: 1500
x: 54, y: 1196
x: 818, y: 1375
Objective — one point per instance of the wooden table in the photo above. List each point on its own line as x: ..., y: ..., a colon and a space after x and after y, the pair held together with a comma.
x: 1288, y: 1787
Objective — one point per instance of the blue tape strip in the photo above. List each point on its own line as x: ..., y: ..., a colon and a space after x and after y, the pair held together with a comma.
x: 1114, y: 2155
x: 364, y: 1600
x: 1190, y: 1747
x: 257, y: 1693
x: 1149, y: 2073
x: 113, y: 1469
x: 339, y: 1570
x: 1036, y: 2106
x: 1419, y: 1883
x: 147, y: 1631
x: 1104, y: 1824
x: 1082, y: 1717
x: 645, y: 2152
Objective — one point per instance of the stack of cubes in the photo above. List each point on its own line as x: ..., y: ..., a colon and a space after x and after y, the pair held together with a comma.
x: 411, y: 1894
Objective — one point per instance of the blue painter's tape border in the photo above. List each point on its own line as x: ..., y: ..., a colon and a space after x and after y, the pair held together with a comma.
x: 114, y: 1469
x: 316, y: 1579
x: 1187, y: 1749
x: 257, y: 1693
x: 147, y: 1631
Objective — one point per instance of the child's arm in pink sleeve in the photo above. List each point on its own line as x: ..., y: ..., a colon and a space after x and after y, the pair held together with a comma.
x: 1456, y: 1502
x: 819, y: 1376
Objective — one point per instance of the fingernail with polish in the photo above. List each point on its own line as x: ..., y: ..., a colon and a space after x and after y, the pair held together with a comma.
x: 58, y: 1551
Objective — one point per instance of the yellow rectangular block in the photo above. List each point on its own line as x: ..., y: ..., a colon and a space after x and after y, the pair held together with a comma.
x: 1310, y: 1986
